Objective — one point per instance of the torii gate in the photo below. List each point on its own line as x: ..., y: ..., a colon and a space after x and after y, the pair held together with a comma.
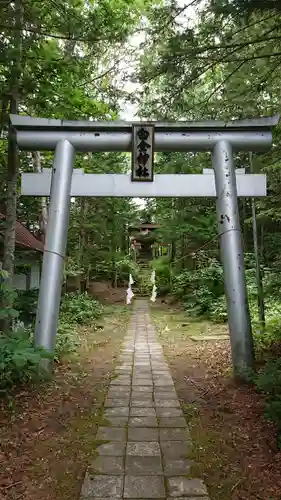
x: 222, y: 139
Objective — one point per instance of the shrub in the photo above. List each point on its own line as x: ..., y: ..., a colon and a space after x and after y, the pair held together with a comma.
x: 80, y: 308
x: 202, y: 291
x: 26, y: 305
x: 115, y: 268
x: 124, y: 267
x: 271, y: 335
x: 67, y: 339
x: 75, y: 308
x: 20, y: 360
x: 163, y: 275
x: 7, y: 296
x: 268, y: 382
x: 218, y: 310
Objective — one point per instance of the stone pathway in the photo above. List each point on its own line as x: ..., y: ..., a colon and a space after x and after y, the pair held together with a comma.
x: 145, y: 438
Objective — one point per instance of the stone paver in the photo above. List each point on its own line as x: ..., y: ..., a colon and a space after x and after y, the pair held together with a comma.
x: 143, y: 442
x: 115, y: 421
x: 144, y: 466
x: 143, y: 434
x: 177, y: 467
x: 182, y: 487
x: 111, y: 434
x: 143, y: 449
x: 144, y: 487
x: 107, y: 465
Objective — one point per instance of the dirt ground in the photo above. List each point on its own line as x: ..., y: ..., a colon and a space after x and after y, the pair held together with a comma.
x: 235, y: 448
x: 107, y: 294
x: 47, y: 436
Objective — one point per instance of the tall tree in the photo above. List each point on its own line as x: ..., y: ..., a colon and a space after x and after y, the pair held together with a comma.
x: 13, y: 86
x: 64, y: 59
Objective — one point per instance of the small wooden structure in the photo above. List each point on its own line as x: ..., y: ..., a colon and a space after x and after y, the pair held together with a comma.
x: 143, y: 241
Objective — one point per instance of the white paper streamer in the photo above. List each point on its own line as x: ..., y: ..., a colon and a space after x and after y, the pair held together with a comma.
x: 154, y: 294
x: 130, y: 292
x: 154, y: 289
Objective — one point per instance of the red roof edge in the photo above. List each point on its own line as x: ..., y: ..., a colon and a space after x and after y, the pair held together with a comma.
x: 25, y: 238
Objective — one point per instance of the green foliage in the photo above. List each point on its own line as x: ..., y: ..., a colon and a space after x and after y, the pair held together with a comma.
x: 201, y: 291
x: 76, y: 309
x: 244, y: 7
x: 145, y: 237
x: 26, y: 305
x: 125, y: 266
x: 65, y: 60
x: 67, y: 340
x: 270, y: 337
x: 7, y: 312
x: 218, y: 311
x: 162, y: 267
x: 72, y: 268
x: 268, y: 382
x: 80, y: 308
x: 115, y: 268
x: 20, y: 361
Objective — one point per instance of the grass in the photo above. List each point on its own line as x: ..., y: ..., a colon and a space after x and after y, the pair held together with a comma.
x: 209, y: 456
x: 175, y: 325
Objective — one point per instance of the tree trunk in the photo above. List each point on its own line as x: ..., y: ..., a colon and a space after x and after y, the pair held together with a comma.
x: 81, y: 238
x: 173, y: 248
x: 43, y: 216
x: 11, y: 203
x: 173, y: 251
x: 12, y: 177
x: 244, y: 225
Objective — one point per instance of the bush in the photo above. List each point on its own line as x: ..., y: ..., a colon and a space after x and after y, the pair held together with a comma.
x: 7, y: 296
x: 115, y: 268
x: 80, y: 308
x: 268, y: 382
x: 75, y: 308
x: 67, y: 339
x: 271, y: 335
x: 26, y: 305
x: 20, y: 360
x: 162, y: 269
x: 124, y: 267
x: 218, y: 310
x: 202, y: 291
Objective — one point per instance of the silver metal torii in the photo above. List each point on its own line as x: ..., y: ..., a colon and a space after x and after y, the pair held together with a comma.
x: 222, y: 139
